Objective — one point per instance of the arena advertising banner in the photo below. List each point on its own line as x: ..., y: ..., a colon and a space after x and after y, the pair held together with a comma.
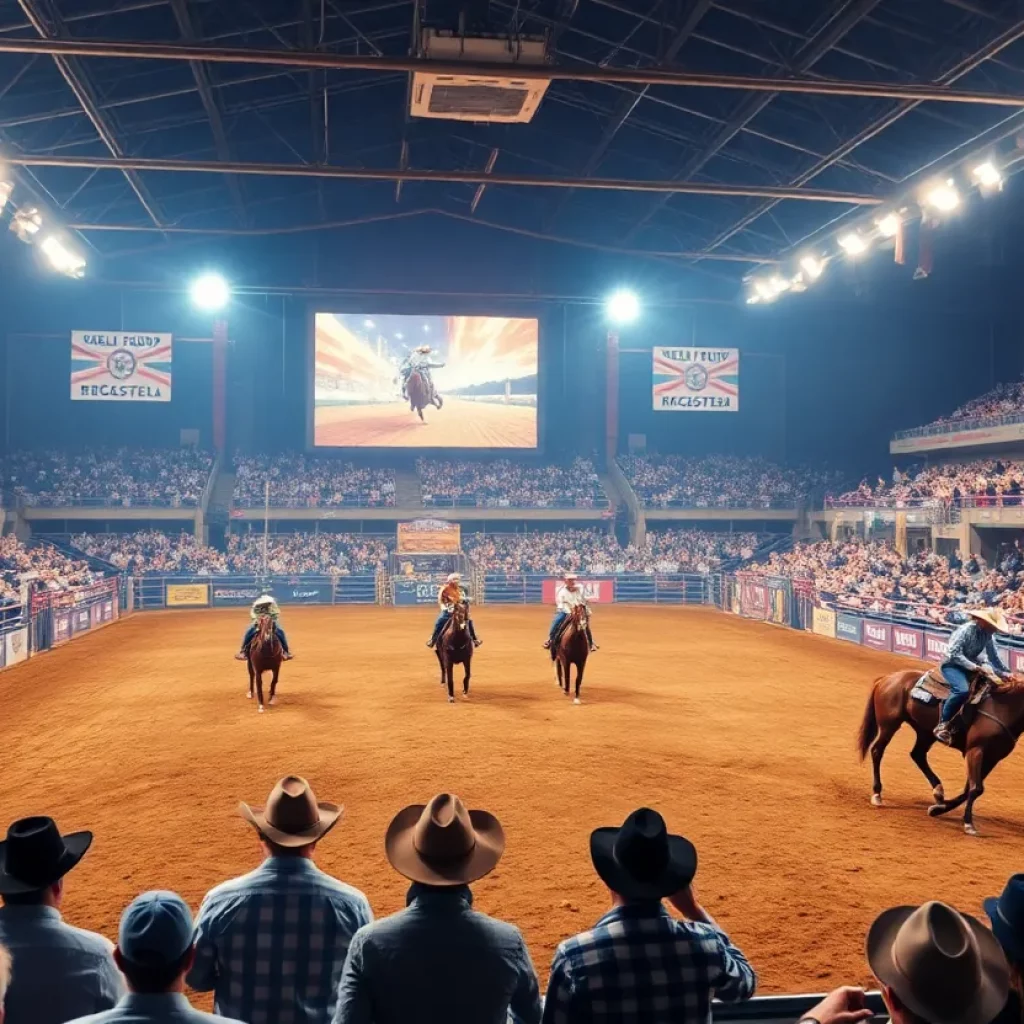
x: 187, y: 595
x: 61, y: 627
x: 877, y: 635
x: 229, y: 594
x: 416, y: 592
x: 595, y: 591
x: 1015, y: 660
x: 292, y: 590
x: 429, y: 537
x: 117, y: 366
x: 935, y: 645
x: 407, y: 381
x: 848, y: 627
x: 427, y: 565
x: 753, y: 599
x: 824, y: 622
x: 16, y: 646
x: 696, y: 379
x: 907, y: 640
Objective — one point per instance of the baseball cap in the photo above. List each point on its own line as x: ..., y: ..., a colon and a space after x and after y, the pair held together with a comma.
x: 156, y: 929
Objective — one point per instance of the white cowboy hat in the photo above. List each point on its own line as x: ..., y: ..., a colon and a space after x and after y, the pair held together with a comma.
x: 993, y: 617
x: 265, y: 599
x: 570, y: 576
x: 453, y: 577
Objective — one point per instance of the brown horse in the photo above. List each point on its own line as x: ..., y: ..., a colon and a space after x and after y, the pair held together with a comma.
x: 265, y: 655
x: 991, y: 733
x: 455, y: 647
x: 571, y: 647
x: 420, y: 393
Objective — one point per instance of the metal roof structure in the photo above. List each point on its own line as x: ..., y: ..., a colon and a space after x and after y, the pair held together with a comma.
x: 716, y: 133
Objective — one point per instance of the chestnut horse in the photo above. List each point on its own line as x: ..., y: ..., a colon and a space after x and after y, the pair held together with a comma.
x: 455, y: 647
x: 992, y: 730
x: 571, y: 647
x: 265, y: 655
x: 420, y: 393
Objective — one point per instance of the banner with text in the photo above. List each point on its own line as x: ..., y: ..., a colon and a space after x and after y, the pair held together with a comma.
x: 753, y: 599
x: 877, y: 635
x: 187, y: 595
x: 848, y: 627
x: 117, y: 366
x: 429, y: 537
x: 824, y: 622
x: 696, y: 379
x: 595, y: 591
x: 906, y: 640
x: 15, y: 646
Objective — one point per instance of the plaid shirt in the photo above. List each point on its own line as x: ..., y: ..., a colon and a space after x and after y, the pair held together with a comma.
x: 271, y: 944
x: 639, y: 964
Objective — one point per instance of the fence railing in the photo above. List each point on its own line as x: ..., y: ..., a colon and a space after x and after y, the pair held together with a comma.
x: 891, y: 503
x: 971, y: 423
x: 33, y: 501
x: 676, y: 588
x: 790, y: 504
x: 486, y: 501
x: 225, y: 591
x: 59, y: 615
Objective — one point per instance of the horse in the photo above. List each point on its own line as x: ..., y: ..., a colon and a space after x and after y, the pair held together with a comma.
x: 990, y: 735
x: 420, y: 393
x: 265, y: 655
x: 571, y: 647
x: 455, y: 647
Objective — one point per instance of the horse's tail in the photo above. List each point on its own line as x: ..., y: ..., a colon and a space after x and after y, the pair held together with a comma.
x: 869, y: 726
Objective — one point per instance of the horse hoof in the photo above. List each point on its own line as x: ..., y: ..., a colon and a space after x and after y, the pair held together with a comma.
x: 876, y: 799
x: 939, y: 796
x: 261, y: 709
x: 272, y: 701
x: 936, y: 809
x: 577, y: 701
x: 465, y: 696
x: 451, y: 700
x: 971, y: 831
x: 248, y: 696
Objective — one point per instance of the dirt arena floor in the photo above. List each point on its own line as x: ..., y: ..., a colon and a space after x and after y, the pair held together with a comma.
x: 741, y: 734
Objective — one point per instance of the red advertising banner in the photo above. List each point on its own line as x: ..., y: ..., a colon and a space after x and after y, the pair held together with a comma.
x: 754, y: 599
x: 906, y: 640
x: 877, y: 635
x: 1016, y: 662
x: 935, y: 645
x: 595, y: 591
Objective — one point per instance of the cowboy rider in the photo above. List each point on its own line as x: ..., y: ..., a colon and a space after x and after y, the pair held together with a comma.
x: 971, y: 649
x: 264, y: 605
x: 567, y: 597
x: 451, y: 594
x: 419, y: 360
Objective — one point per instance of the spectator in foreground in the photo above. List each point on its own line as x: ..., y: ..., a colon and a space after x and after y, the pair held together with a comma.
x: 1007, y: 916
x: 639, y: 963
x: 60, y: 972
x: 5, y: 978
x: 937, y: 966
x: 155, y: 951
x: 271, y: 944
x: 439, y: 961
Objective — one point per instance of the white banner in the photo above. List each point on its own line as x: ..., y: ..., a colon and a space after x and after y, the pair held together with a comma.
x: 117, y: 366
x: 17, y: 646
x: 696, y: 379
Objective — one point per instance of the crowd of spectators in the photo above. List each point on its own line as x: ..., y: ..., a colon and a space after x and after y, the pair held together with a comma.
x: 310, y: 481
x: 152, y: 551
x: 290, y: 942
x: 501, y: 483
x: 1003, y: 400
x: 328, y: 554
x: 720, y: 481
x: 982, y: 482
x: 41, y: 566
x: 125, y: 477
x: 598, y: 552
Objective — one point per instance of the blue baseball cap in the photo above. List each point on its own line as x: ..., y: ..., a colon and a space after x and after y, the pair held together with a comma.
x: 156, y: 929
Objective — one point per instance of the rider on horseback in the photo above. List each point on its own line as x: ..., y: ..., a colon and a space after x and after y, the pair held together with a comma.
x: 264, y: 605
x: 969, y: 643
x: 450, y: 595
x: 566, y: 598
x: 419, y: 360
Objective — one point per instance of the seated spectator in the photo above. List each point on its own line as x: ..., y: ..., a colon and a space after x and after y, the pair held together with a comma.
x: 60, y: 972
x: 310, y: 481
x: 1007, y: 916
x: 5, y: 978
x: 982, y: 482
x: 327, y: 554
x: 287, y: 909
x: 42, y: 565
x: 151, y: 551
x: 638, y: 962
x: 439, y: 961
x: 1005, y: 399
x: 154, y: 952
x: 502, y: 483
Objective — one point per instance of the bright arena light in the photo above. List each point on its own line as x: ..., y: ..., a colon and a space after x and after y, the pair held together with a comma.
x: 61, y: 258
x: 888, y: 224
x: 6, y: 188
x: 943, y: 197
x: 622, y: 307
x: 853, y: 244
x: 369, y: 325
x: 26, y: 223
x: 210, y: 292
x: 987, y: 175
x: 812, y: 267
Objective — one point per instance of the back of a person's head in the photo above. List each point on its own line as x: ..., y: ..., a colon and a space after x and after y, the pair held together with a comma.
x: 152, y: 980
x: 32, y: 898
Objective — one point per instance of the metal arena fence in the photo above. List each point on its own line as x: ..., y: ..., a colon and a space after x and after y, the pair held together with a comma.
x: 183, y: 591
x: 679, y: 588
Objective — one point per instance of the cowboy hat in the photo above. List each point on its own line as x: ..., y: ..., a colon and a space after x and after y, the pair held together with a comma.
x: 422, y: 348
x: 1007, y: 916
x: 570, y: 576
x: 265, y: 599
x: 641, y: 860
x: 443, y: 844
x: 292, y: 816
x: 945, y: 967
x: 35, y: 855
x: 993, y: 617
x: 453, y: 577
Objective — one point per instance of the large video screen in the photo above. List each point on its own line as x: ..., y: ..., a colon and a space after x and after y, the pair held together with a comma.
x: 386, y: 381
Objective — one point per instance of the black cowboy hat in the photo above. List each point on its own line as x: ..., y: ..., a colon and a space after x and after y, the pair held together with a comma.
x: 35, y: 855
x: 1007, y: 916
x: 641, y: 860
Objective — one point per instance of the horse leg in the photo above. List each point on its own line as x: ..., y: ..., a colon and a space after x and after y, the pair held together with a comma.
x: 886, y: 731
x: 440, y: 664
x: 465, y: 679
x: 419, y: 409
x: 259, y: 690
x: 579, y: 680
x: 252, y: 682
x: 919, y: 755
x: 978, y: 767
x: 273, y: 683
x: 449, y: 671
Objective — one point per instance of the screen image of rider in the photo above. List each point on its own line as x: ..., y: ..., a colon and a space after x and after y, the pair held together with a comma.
x: 425, y: 381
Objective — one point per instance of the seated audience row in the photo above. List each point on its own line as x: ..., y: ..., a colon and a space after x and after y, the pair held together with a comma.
x: 330, y: 554
x: 720, y: 481
x: 288, y: 942
x: 124, y: 477
x: 501, y: 483
x: 1005, y: 399
x: 310, y: 481
x: 151, y: 551
x: 42, y: 566
x: 984, y: 483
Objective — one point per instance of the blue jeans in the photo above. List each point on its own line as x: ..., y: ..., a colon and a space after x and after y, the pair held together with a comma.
x: 251, y: 632
x: 440, y: 621
x: 960, y: 685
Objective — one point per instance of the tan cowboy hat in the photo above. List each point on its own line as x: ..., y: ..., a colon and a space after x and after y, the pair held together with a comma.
x: 454, y: 577
x: 994, y: 617
x: 570, y: 576
x: 945, y: 967
x: 443, y: 844
x: 292, y: 816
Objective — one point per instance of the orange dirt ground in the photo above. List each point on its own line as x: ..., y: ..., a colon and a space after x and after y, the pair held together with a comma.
x: 742, y: 734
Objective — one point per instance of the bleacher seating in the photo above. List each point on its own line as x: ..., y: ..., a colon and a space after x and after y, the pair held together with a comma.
x: 501, y: 483
x: 310, y: 481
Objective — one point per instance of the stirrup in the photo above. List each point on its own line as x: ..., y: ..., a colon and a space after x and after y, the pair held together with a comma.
x: 546, y: 645
x: 943, y: 733
x: 241, y: 656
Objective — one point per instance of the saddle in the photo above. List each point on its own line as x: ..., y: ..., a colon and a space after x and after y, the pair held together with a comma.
x: 933, y: 687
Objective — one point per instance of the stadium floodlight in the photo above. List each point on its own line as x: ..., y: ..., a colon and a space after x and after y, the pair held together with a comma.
x: 210, y: 292
x: 61, y: 258
x: 888, y: 224
x: 942, y: 197
x: 26, y: 223
x: 622, y: 307
x: 811, y: 267
x: 987, y: 176
x: 369, y: 325
x: 6, y: 188
x: 853, y: 244
x: 764, y: 291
